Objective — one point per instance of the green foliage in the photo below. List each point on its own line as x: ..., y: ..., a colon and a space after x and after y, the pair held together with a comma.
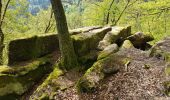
x: 151, y: 16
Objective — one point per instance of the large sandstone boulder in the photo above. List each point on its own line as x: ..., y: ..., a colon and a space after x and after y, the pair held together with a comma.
x: 16, y: 80
x: 161, y: 49
x: 87, y: 42
x: 24, y: 49
x: 98, y: 71
x: 118, y: 34
x: 127, y: 44
x: 139, y: 40
x: 108, y: 51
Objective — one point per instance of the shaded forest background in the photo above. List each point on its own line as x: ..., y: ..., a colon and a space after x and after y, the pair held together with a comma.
x: 29, y: 17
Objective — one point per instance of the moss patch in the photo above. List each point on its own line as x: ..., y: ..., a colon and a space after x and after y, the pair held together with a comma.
x: 98, y: 71
x: 29, y: 48
x: 16, y: 80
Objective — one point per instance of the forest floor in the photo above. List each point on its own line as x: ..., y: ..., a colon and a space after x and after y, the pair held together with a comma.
x: 135, y: 83
x: 142, y: 79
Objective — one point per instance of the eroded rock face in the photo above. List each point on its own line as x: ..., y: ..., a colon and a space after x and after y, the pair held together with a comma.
x: 117, y: 34
x: 140, y: 39
x: 14, y: 81
x: 86, y: 42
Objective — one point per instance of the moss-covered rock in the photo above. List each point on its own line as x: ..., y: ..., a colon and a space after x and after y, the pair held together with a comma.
x: 85, y: 42
x: 90, y: 57
x: 118, y: 34
x: 108, y: 51
x: 140, y: 38
x: 50, y: 84
x: 161, y: 50
x: 98, y: 71
x: 127, y: 44
x: 16, y: 80
x: 33, y: 47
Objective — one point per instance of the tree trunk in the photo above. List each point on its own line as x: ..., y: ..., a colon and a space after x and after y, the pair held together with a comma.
x: 1, y: 35
x: 69, y: 58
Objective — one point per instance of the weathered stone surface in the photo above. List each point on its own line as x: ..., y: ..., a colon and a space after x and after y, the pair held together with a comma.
x: 161, y: 50
x: 83, y: 30
x: 117, y: 34
x: 86, y: 42
x: 108, y: 51
x: 98, y: 71
x: 127, y: 44
x: 16, y: 80
x: 28, y: 48
x: 140, y: 39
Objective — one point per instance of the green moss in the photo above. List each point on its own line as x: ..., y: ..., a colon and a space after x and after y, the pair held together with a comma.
x: 85, y: 42
x: 54, y: 75
x: 167, y: 70
x: 17, y: 80
x: 167, y: 88
x: 127, y: 44
x: 44, y: 97
x: 91, y: 56
x: 30, y: 48
x: 98, y: 71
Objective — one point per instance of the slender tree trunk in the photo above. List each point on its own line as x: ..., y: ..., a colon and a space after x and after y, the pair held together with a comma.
x: 48, y: 27
x: 1, y: 35
x: 108, y: 12
x: 69, y: 59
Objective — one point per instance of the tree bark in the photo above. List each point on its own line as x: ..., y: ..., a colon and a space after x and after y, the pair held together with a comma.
x: 108, y: 12
x: 69, y: 58
x: 1, y: 35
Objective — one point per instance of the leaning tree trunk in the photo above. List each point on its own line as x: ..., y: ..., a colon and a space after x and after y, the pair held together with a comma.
x: 1, y: 36
x: 69, y: 59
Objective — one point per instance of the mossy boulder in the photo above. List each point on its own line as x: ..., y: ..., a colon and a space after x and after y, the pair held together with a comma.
x: 108, y: 51
x: 16, y: 80
x: 127, y: 44
x: 98, y: 71
x: 29, y: 48
x: 116, y: 35
x: 90, y: 57
x: 161, y: 50
x: 140, y: 40
x: 49, y: 84
x: 85, y: 42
